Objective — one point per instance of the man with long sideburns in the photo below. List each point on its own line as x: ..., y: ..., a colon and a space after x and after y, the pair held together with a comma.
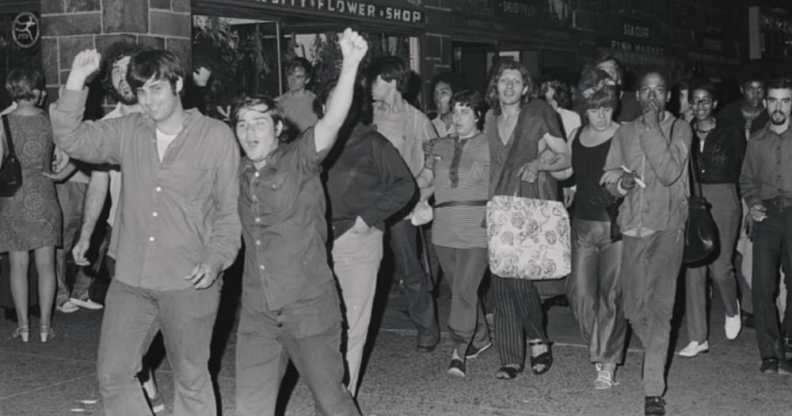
x: 178, y: 227
x: 653, y: 148
x: 290, y: 303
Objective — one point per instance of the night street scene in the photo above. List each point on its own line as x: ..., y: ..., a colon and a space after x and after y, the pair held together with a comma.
x: 396, y: 207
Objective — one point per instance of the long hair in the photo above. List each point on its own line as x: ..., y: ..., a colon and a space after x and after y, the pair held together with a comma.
x: 492, y: 86
x: 113, y: 54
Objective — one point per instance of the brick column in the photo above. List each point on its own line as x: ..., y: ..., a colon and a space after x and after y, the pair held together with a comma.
x: 69, y: 26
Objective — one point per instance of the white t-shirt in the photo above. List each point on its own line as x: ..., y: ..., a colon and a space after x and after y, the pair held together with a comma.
x: 163, y: 141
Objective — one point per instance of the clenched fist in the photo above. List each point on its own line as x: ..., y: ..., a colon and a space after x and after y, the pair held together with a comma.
x: 353, y: 46
x: 85, y: 63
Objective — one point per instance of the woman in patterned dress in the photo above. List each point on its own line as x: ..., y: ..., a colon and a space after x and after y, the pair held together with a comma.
x: 31, y: 218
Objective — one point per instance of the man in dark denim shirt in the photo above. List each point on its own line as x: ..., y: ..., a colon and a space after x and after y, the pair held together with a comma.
x: 290, y: 307
x: 178, y: 227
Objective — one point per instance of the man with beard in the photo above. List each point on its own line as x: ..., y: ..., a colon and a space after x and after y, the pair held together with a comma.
x: 766, y: 183
x: 654, y: 148
x: 108, y: 178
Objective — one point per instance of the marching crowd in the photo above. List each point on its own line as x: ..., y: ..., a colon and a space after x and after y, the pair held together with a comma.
x: 315, y: 185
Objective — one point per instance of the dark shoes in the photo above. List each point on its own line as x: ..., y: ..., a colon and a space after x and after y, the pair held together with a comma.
x: 473, y: 352
x: 654, y: 406
x: 747, y: 319
x: 508, y: 372
x: 457, y: 367
x: 541, y: 363
x: 769, y: 366
x: 426, y: 348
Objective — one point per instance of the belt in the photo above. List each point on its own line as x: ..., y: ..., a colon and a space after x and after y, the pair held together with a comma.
x: 477, y: 203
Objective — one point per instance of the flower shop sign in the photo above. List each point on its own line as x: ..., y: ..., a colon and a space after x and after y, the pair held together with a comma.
x: 367, y: 10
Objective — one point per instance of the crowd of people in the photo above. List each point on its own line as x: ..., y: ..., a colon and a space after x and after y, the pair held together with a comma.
x: 313, y: 187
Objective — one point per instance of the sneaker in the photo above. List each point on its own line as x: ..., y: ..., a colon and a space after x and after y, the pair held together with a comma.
x: 456, y: 368
x: 654, y: 406
x: 68, y: 307
x: 769, y: 366
x: 604, y: 380
x: 473, y: 352
x: 733, y: 324
x: 693, y: 349
x: 785, y: 368
x: 86, y: 303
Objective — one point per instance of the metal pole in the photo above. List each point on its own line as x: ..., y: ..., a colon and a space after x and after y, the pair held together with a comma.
x: 278, y: 58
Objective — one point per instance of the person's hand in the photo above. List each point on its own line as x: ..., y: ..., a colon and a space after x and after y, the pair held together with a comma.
x: 79, y: 250
x: 569, y: 196
x: 201, y: 76
x: 651, y: 115
x: 60, y: 161
x: 758, y: 212
x: 530, y: 171
x: 85, y: 63
x: 360, y: 226
x: 611, y: 177
x: 202, y: 276
x: 353, y: 47
x: 628, y: 181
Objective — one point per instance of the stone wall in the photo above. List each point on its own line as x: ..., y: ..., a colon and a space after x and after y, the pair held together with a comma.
x: 69, y: 26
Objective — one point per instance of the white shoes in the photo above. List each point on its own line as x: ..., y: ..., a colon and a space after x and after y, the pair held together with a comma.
x: 693, y: 349
x: 86, y: 303
x: 67, y: 307
x: 733, y: 324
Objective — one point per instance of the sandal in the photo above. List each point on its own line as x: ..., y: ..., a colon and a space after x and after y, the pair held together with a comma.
x: 541, y: 363
x: 508, y: 372
x: 23, y: 333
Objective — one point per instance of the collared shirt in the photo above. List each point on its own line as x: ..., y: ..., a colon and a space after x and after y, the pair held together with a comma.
x: 173, y: 215
x: 407, y: 129
x: 282, y: 207
x: 660, y: 158
x: 765, y: 171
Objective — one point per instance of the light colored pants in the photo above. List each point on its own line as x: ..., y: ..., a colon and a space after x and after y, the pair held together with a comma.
x: 356, y: 261
x: 726, y: 214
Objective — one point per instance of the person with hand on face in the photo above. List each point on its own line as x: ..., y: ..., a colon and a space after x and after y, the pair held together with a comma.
x: 177, y: 227
x: 444, y: 85
x: 647, y: 165
x: 297, y: 103
x: 719, y: 150
x: 593, y: 287
x: 290, y: 305
x: 765, y: 184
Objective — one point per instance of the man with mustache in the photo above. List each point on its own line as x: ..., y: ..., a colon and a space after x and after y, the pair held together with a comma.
x: 654, y: 148
x: 766, y: 184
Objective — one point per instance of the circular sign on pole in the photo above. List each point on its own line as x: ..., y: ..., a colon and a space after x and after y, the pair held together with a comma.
x: 25, y: 30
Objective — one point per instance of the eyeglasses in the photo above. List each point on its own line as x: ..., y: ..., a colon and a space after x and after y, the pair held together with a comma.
x: 705, y: 101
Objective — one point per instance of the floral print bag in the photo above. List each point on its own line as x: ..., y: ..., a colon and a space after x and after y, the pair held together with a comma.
x: 528, y: 238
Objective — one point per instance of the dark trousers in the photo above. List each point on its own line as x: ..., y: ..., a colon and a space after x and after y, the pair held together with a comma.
x: 518, y: 314
x: 772, y: 239
x: 650, y: 268
x: 464, y: 269
x: 594, y: 291
x: 132, y: 316
x: 416, y: 285
x: 309, y: 333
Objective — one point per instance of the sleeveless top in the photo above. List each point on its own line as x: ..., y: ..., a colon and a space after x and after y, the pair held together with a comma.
x: 591, y: 199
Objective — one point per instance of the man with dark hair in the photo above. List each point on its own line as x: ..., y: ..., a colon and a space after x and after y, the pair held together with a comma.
x: 297, y: 102
x: 766, y: 185
x: 629, y: 109
x: 177, y: 227
x: 407, y: 128
x: 651, y: 151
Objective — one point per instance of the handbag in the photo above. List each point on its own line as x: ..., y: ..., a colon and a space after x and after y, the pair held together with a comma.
x: 701, y: 233
x: 11, y: 171
x: 528, y: 238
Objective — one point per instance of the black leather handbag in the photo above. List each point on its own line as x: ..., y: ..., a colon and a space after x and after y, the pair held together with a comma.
x: 701, y: 233
x: 11, y: 170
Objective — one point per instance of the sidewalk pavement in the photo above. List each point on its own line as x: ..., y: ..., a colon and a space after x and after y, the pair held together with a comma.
x: 59, y: 378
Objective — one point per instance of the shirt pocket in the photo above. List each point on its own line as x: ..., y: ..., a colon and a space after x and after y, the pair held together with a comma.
x: 191, y: 183
x: 281, y: 191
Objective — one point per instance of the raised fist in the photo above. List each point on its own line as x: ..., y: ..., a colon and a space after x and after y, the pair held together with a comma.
x: 86, y: 63
x: 353, y: 46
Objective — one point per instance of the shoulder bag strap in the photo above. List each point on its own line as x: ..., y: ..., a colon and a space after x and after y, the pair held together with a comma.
x: 7, y: 134
x: 695, y: 185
